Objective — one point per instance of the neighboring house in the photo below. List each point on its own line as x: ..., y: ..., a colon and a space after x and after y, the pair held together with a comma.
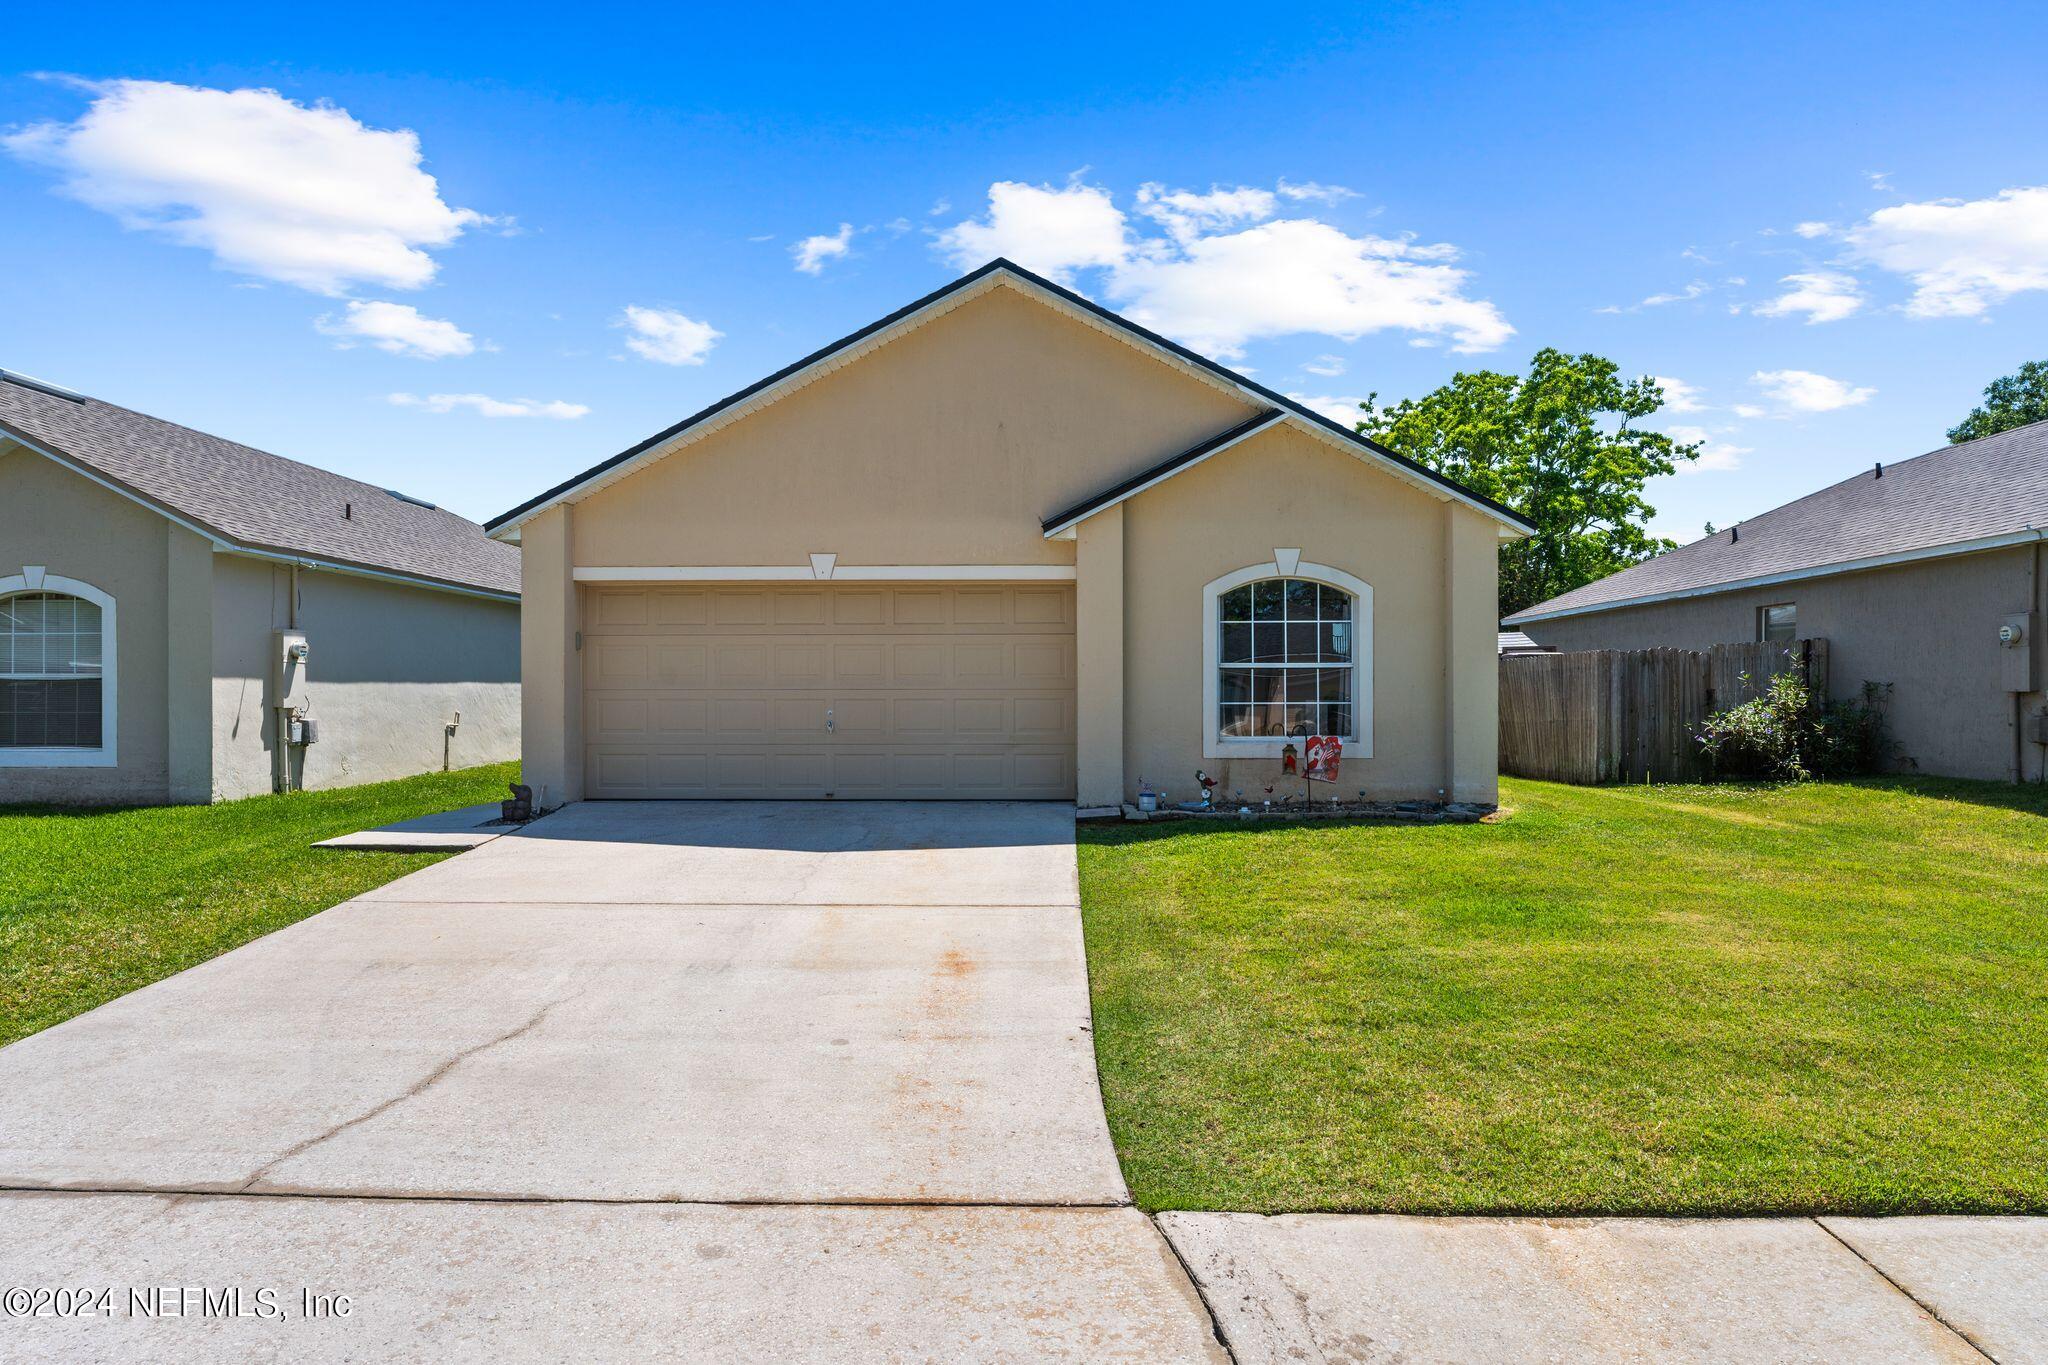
x: 1927, y: 575
x: 153, y: 583
x: 1514, y: 642
x: 1004, y: 543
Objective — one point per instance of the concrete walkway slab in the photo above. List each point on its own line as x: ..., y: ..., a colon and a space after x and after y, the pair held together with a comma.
x: 1389, y: 1288
x: 936, y: 853
x: 1985, y: 1277
x: 452, y: 1282
x: 465, y: 827
x: 589, y: 1051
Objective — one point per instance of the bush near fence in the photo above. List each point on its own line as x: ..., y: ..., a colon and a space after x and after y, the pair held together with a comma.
x: 1631, y: 715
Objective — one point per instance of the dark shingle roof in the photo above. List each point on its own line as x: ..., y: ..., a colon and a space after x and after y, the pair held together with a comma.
x: 1980, y: 490
x: 256, y: 500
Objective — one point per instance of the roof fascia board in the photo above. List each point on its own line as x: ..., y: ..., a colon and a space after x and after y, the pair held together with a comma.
x: 1885, y: 561
x: 357, y: 571
x: 967, y: 287
x: 223, y: 544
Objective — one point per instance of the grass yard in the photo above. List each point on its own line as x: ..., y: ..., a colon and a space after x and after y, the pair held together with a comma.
x: 1642, y: 1000
x: 94, y: 904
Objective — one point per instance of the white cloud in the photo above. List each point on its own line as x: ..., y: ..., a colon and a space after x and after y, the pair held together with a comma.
x: 398, y: 328
x: 303, y: 195
x: 1805, y: 391
x: 1962, y: 257
x: 1325, y: 365
x: 1052, y: 231
x: 1691, y: 291
x: 1186, y: 215
x: 1311, y: 190
x: 1297, y: 275
x: 1341, y: 410
x: 666, y: 336
x: 1812, y: 230
x: 1822, y: 295
x: 1216, y: 284
x: 813, y: 253
x: 1716, y: 455
x: 1749, y: 410
x: 1880, y: 180
x: 485, y: 406
x: 1679, y: 396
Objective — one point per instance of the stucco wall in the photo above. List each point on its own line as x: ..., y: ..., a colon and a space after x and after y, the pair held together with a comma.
x: 1337, y: 511
x: 1929, y: 629
x: 73, y: 527
x: 391, y: 665
x: 944, y: 447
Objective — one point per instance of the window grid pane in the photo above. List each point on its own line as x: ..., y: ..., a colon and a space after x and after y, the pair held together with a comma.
x: 50, y: 657
x: 47, y: 635
x: 1279, y: 637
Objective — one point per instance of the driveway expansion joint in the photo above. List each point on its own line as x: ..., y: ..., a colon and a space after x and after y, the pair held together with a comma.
x: 1929, y: 1309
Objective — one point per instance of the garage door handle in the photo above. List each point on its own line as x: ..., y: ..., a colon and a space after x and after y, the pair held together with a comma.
x: 828, y: 718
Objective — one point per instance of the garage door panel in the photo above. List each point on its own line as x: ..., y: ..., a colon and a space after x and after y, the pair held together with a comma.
x: 862, y: 664
x: 922, y: 606
x: 866, y: 607
x: 678, y: 665
x: 1045, y: 663
x: 1043, y: 607
x: 919, y: 663
x: 982, y: 718
x: 933, y: 692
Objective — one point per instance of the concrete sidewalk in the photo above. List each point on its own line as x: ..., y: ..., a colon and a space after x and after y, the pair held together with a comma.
x: 1392, y: 1288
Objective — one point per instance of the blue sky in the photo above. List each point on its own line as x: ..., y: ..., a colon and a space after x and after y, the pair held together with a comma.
x: 1825, y: 221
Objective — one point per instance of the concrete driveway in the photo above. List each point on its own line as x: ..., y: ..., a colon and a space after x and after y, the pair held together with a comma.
x: 800, y: 1006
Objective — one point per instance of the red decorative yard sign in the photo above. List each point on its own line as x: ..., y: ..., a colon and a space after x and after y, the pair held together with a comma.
x: 1325, y: 752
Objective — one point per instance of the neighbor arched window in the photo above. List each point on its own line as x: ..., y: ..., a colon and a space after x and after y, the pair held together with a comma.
x: 56, y: 672
x: 1288, y: 654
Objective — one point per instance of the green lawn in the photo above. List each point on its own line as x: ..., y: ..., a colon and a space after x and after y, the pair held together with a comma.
x: 1664, y: 1000
x: 96, y: 903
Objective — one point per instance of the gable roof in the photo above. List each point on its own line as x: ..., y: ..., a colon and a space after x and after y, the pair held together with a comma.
x: 997, y: 273
x: 1976, y: 496
x: 251, y: 501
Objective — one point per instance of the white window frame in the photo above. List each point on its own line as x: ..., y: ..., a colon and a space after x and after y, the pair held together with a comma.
x: 1357, y: 744
x: 33, y: 579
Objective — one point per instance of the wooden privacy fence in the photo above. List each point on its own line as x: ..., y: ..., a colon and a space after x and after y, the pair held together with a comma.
x: 1631, y: 715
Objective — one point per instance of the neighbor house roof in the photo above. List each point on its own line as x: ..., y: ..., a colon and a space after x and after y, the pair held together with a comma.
x: 250, y: 501
x: 995, y: 274
x: 1956, y: 500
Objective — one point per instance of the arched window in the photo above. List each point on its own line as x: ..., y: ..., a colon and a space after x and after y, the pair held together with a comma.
x: 1288, y: 654
x: 56, y: 672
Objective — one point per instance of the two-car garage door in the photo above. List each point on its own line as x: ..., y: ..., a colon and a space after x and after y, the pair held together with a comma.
x: 833, y: 690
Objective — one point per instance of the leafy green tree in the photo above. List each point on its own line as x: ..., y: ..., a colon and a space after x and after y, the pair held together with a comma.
x: 1560, y: 447
x: 2010, y: 402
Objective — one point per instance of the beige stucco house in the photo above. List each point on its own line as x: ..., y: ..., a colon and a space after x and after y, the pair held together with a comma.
x: 185, y: 619
x: 1925, y: 576
x: 1005, y: 544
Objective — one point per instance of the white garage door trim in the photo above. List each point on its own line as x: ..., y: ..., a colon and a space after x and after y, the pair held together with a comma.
x: 849, y: 691
x: 786, y: 573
